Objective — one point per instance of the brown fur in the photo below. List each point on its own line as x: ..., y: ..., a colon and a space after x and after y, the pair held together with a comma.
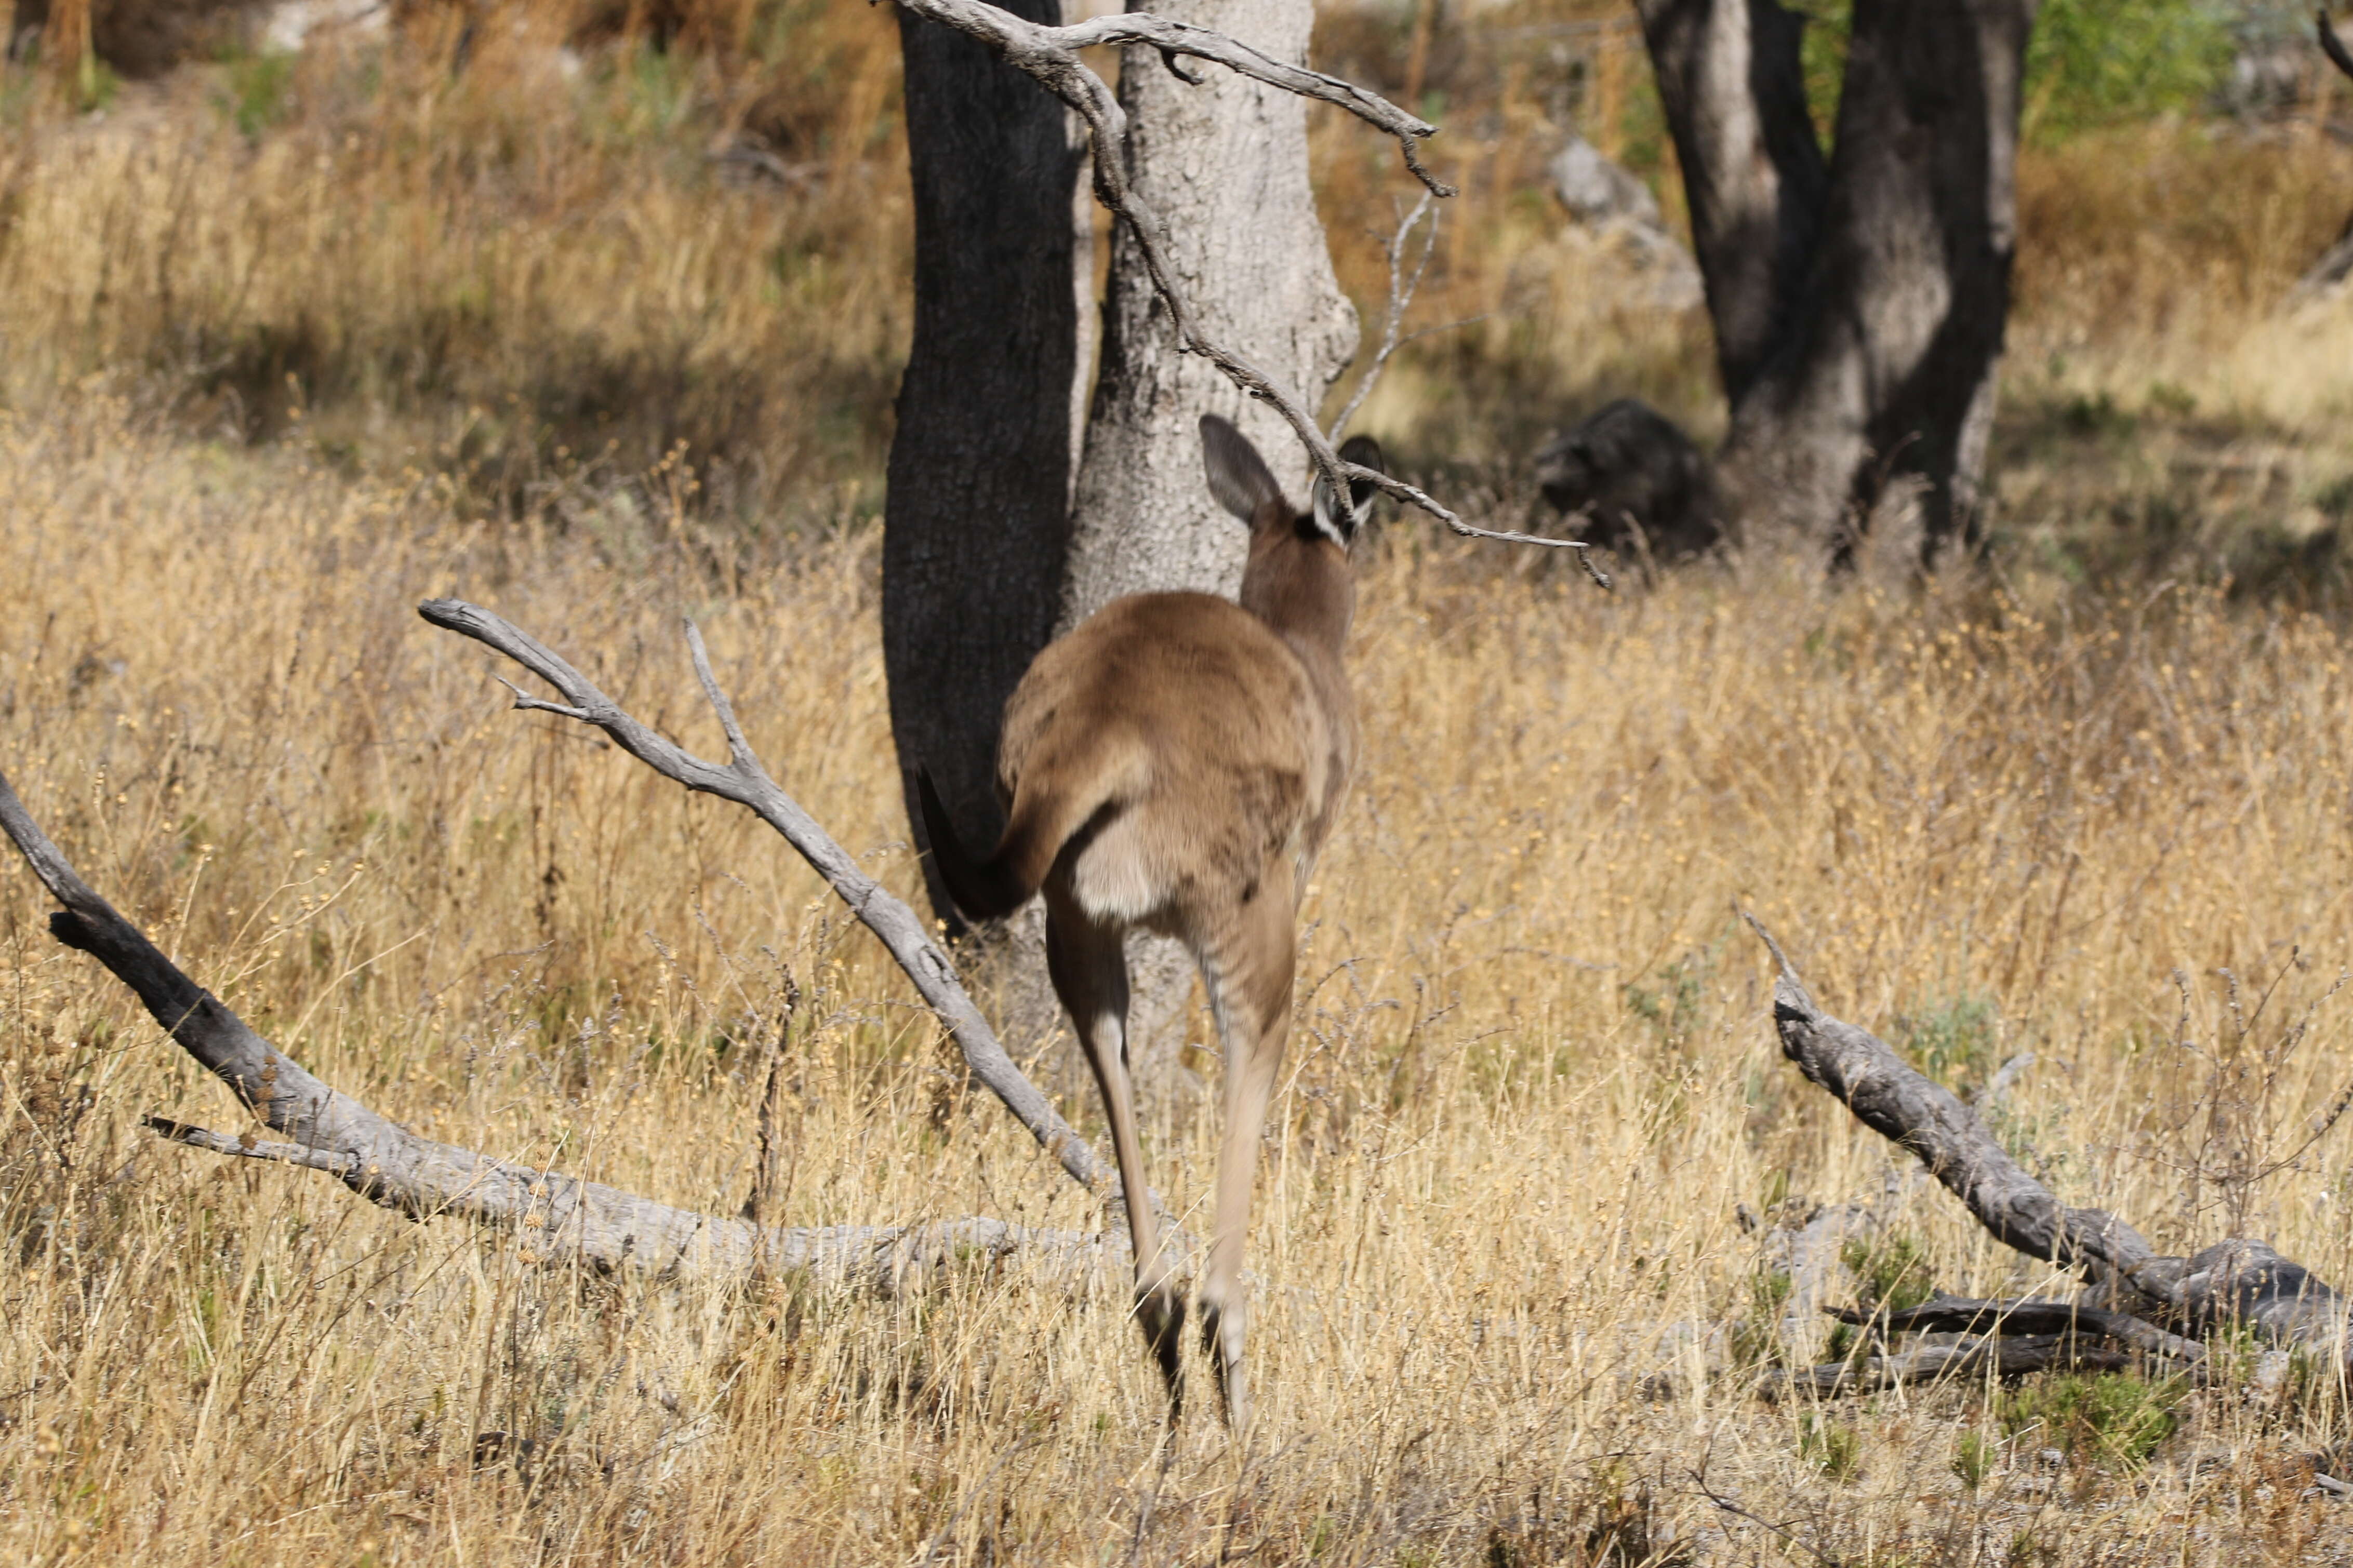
x: 1175, y: 765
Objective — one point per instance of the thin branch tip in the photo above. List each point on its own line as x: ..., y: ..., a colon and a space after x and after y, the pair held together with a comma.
x: 1788, y: 970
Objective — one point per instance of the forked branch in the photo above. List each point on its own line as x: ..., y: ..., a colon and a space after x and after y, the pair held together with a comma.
x: 742, y: 779
x: 1402, y: 288
x: 1049, y: 57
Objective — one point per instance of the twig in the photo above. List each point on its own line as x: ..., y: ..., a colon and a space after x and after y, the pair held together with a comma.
x: 1401, y: 292
x: 1724, y: 1504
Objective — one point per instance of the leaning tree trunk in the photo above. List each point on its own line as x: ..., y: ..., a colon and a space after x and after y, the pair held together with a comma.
x: 977, y: 514
x: 1879, y: 359
x: 1225, y: 164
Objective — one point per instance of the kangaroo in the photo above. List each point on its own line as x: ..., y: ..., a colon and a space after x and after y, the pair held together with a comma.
x: 1174, y: 765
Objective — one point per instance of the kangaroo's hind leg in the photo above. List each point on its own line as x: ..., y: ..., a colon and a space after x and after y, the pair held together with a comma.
x: 1088, y: 965
x: 1249, y: 963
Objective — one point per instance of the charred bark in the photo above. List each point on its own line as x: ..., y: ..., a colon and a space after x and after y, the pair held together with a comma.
x: 1877, y: 357
x: 976, y: 520
x: 1734, y: 89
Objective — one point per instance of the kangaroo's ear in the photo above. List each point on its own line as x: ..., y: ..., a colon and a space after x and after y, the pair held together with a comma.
x: 1365, y: 453
x: 1339, y: 524
x: 1238, y: 476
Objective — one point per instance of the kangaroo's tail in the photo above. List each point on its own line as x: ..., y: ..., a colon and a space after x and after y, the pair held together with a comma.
x: 1041, y: 821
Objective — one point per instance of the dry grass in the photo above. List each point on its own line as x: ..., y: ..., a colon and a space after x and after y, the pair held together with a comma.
x: 491, y: 273
x: 1531, y: 1083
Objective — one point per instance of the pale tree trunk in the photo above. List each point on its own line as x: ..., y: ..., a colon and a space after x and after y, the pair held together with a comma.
x: 985, y: 555
x: 976, y: 517
x: 1877, y: 360
x: 1225, y: 163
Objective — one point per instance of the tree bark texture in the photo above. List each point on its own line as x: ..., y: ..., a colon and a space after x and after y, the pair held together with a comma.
x: 1879, y: 358
x: 1734, y: 88
x: 977, y: 514
x: 1225, y: 165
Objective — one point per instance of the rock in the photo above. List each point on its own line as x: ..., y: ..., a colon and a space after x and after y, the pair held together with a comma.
x: 1639, y: 480
x: 1596, y: 190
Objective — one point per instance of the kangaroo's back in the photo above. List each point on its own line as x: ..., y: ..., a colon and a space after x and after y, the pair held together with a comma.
x: 1175, y: 765
x: 1196, y: 739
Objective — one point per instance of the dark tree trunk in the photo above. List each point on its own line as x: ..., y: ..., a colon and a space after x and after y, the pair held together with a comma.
x: 1877, y: 358
x: 987, y: 552
x: 1734, y: 88
x: 977, y: 522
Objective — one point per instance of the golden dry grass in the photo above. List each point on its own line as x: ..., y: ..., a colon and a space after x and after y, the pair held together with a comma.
x: 1531, y: 1085
x: 490, y: 273
x: 1531, y: 1082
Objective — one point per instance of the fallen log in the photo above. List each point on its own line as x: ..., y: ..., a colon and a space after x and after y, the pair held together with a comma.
x: 2024, y: 1315
x: 2233, y: 1283
x: 562, y: 1219
x: 1989, y: 1356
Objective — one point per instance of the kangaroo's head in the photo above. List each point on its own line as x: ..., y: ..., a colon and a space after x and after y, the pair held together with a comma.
x: 1297, y: 579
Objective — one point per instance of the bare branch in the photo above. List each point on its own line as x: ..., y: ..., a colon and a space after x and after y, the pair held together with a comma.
x: 2231, y: 1282
x: 1050, y: 56
x: 2334, y: 47
x: 747, y: 783
x: 1401, y: 292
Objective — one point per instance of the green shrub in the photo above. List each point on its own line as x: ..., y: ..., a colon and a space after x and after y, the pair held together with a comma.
x: 1953, y: 1040
x: 2088, y: 62
x: 1831, y: 1446
x: 2112, y: 1418
x: 1973, y: 1459
x: 257, y: 92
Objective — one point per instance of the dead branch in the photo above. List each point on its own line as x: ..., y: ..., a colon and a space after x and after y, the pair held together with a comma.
x: 1049, y: 57
x: 2334, y: 47
x: 2000, y: 1357
x: 2026, y: 1315
x: 744, y: 781
x: 1401, y: 292
x: 2236, y: 1281
x: 559, y: 1217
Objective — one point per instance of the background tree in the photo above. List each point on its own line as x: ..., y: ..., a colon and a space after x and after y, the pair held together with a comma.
x: 1859, y: 297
